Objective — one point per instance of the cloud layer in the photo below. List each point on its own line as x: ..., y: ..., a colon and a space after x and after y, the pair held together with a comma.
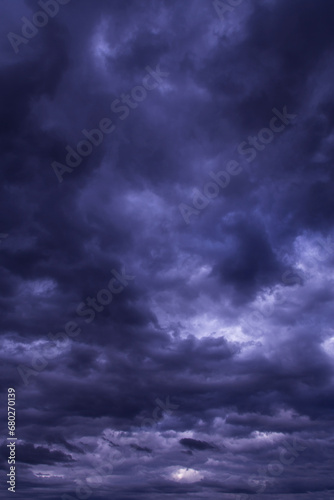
x: 204, y: 368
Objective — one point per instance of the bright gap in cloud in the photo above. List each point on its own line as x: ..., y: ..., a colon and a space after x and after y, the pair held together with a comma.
x: 186, y: 476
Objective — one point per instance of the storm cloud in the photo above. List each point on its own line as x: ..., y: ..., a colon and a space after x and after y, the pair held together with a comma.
x: 166, y: 248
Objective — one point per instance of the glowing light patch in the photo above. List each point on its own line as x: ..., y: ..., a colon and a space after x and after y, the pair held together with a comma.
x: 40, y: 287
x: 186, y: 476
x: 265, y: 436
x: 313, y: 253
x: 328, y: 346
x: 100, y: 47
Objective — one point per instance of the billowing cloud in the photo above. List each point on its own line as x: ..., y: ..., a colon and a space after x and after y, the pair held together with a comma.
x: 166, y: 247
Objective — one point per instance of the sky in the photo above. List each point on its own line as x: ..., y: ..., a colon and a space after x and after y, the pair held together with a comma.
x: 166, y: 248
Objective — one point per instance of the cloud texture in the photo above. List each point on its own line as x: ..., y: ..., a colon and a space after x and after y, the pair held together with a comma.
x: 166, y: 254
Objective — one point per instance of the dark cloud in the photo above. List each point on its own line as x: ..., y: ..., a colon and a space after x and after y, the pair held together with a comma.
x: 194, y: 444
x: 208, y: 372
x: 34, y: 455
x: 140, y: 448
